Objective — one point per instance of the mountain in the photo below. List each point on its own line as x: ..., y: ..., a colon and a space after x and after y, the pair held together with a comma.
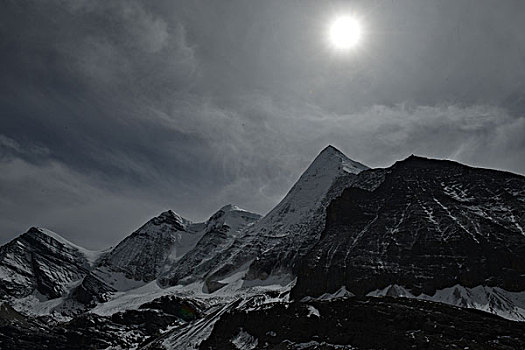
x: 424, y: 225
x: 275, y: 243
x: 159, y: 245
x: 352, y: 257
x: 221, y: 231
x: 140, y: 257
x: 43, y: 264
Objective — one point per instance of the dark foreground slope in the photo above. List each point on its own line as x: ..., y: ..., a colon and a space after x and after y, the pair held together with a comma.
x: 371, y: 323
x: 346, y: 323
x: 122, y: 330
x: 422, y: 224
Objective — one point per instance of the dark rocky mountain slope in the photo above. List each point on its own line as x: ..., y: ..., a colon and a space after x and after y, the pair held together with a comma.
x: 422, y: 224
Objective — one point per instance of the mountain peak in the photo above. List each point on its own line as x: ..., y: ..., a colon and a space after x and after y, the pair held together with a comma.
x: 227, y: 212
x: 414, y: 157
x: 332, y: 158
x: 171, y: 218
x: 331, y: 150
x: 39, y: 231
x: 414, y: 161
x: 230, y: 207
x: 169, y: 213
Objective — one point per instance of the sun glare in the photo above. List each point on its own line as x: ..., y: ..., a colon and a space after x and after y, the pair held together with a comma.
x: 345, y: 33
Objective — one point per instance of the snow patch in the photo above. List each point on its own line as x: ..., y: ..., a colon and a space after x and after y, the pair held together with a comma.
x: 244, y: 341
x: 312, y: 311
x: 90, y: 255
x: 509, y: 305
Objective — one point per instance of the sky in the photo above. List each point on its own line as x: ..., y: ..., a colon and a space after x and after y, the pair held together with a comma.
x: 114, y: 111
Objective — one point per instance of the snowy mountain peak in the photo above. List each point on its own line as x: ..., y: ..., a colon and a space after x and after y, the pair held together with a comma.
x: 277, y: 241
x: 332, y: 160
x: 332, y: 150
x: 232, y: 217
x: 40, y: 232
x: 315, y: 182
x: 230, y: 207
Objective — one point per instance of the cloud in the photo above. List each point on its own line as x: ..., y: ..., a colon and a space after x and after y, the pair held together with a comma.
x: 53, y: 196
x: 252, y: 164
x: 113, y: 111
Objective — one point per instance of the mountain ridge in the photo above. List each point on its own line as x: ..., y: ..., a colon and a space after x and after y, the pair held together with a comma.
x: 422, y: 229
x: 286, y: 225
x: 440, y: 200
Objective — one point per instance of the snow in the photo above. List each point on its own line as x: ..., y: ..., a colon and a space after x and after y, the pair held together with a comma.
x: 234, y: 290
x: 495, y: 300
x: 456, y: 220
x: 293, y: 224
x: 35, y: 305
x: 340, y: 293
x: 115, y: 279
x: 316, y: 345
x: 312, y: 311
x: 185, y: 241
x: 191, y: 336
x: 221, y: 301
x: 244, y: 341
x: 217, y: 234
x: 90, y: 255
x: 308, y: 193
x: 150, y: 250
x: 273, y: 280
x: 233, y: 217
x: 132, y: 299
x: 455, y: 191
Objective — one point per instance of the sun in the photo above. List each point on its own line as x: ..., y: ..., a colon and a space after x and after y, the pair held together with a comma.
x: 345, y: 33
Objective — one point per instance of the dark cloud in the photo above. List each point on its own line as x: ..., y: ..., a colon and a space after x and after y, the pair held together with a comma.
x: 113, y: 111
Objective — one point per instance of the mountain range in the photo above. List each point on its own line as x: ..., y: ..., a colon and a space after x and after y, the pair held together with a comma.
x: 423, y: 239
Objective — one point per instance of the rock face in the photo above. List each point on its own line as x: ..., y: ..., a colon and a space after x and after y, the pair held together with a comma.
x: 422, y: 224
x: 41, y: 262
x: 277, y: 242
x: 142, y: 255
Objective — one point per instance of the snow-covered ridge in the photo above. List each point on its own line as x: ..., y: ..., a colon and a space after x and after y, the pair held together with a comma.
x: 92, y: 276
x: 91, y: 255
x: 277, y: 239
x: 155, y: 248
x: 308, y: 193
x: 509, y: 305
x: 232, y: 216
